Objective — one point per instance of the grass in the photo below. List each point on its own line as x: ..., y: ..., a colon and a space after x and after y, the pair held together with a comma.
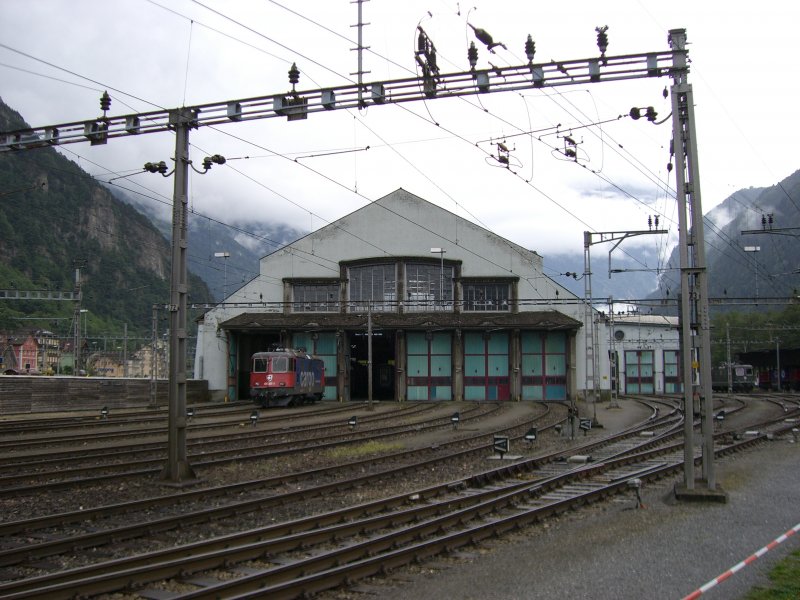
x: 362, y: 450
x: 785, y: 578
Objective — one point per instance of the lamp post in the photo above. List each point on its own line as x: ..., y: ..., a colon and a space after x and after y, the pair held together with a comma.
x: 440, y: 252
x: 754, y: 249
x: 224, y: 255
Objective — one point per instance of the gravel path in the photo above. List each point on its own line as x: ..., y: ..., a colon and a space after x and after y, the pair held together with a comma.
x: 615, y: 551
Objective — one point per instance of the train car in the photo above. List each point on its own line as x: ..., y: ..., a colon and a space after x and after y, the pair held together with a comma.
x: 743, y: 378
x: 789, y: 379
x: 286, y: 377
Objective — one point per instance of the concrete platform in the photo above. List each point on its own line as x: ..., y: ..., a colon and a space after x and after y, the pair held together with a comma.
x: 700, y: 493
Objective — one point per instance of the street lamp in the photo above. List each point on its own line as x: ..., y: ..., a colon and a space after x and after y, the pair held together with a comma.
x: 224, y: 255
x: 440, y: 252
x: 754, y: 249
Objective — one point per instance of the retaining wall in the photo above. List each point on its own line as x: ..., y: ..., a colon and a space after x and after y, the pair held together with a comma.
x: 34, y: 394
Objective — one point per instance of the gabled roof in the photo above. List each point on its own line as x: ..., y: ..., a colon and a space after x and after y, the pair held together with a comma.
x: 404, y: 206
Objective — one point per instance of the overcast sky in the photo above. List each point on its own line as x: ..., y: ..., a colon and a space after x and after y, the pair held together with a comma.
x: 57, y: 57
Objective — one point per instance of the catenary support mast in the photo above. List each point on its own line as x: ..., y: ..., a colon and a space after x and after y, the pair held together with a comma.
x: 694, y: 318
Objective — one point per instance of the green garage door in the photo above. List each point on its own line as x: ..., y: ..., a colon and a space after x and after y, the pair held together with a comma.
x: 544, y: 365
x: 429, y: 364
x: 639, y: 378
x: 486, y: 366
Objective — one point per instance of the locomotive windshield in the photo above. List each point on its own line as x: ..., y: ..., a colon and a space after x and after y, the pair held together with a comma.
x: 280, y: 364
x: 260, y: 365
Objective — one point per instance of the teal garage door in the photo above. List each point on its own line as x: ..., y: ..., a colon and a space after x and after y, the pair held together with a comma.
x: 429, y: 365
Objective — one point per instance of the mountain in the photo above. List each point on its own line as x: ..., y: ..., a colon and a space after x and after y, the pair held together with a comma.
x: 745, y: 258
x: 48, y: 231
x: 245, y: 244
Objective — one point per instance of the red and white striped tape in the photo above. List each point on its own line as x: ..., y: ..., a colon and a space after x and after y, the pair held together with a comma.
x: 701, y: 590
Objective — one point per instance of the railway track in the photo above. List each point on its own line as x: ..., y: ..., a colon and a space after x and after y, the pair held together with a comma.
x: 308, y: 555
x: 55, y: 471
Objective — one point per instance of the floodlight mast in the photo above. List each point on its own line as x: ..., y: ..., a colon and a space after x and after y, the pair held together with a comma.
x: 299, y: 104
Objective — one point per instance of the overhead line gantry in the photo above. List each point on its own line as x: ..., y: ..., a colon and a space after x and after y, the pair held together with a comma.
x: 432, y: 85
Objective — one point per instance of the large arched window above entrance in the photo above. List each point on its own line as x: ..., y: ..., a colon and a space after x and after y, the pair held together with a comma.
x: 429, y: 287
x: 373, y: 286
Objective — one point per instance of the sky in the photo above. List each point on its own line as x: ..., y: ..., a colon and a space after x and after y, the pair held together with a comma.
x: 56, y: 58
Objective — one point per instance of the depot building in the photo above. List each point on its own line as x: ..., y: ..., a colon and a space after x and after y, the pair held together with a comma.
x: 442, y: 309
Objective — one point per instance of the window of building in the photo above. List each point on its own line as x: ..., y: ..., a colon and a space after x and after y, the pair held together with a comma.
x: 373, y: 285
x: 486, y: 297
x: 315, y: 297
x: 429, y: 287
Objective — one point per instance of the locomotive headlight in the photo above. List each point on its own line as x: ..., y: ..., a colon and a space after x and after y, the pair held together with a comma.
x: 283, y: 384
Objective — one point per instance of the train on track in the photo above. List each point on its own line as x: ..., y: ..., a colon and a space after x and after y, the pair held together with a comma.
x: 286, y: 377
x: 743, y: 378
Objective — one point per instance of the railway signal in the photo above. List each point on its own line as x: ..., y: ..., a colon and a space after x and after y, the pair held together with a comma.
x: 353, y: 422
x: 254, y: 418
x: 455, y: 419
x: 530, y: 436
x: 501, y: 445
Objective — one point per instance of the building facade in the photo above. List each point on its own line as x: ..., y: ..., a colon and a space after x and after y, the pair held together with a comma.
x: 442, y: 309
x: 647, y: 350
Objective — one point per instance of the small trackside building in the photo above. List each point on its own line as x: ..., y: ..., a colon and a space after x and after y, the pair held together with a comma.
x: 442, y: 309
x: 647, y: 348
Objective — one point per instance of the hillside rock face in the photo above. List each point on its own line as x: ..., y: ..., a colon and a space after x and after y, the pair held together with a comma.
x: 48, y: 231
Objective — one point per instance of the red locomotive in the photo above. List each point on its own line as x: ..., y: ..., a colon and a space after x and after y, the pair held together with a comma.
x: 286, y: 377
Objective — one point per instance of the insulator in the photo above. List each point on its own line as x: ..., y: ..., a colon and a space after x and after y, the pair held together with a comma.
x: 635, y: 113
x: 472, y: 55
x: 651, y: 114
x: 602, y: 38
x: 763, y: 220
x: 294, y: 75
x: 656, y: 221
x: 219, y: 159
x: 650, y: 222
x: 162, y: 167
x: 530, y: 48
x: 207, y: 163
x: 105, y: 101
x: 421, y: 41
x: 770, y: 219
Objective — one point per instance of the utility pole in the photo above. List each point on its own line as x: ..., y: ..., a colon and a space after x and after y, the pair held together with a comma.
x: 297, y: 105
x: 76, y: 338
x: 154, y: 360
x: 369, y: 354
